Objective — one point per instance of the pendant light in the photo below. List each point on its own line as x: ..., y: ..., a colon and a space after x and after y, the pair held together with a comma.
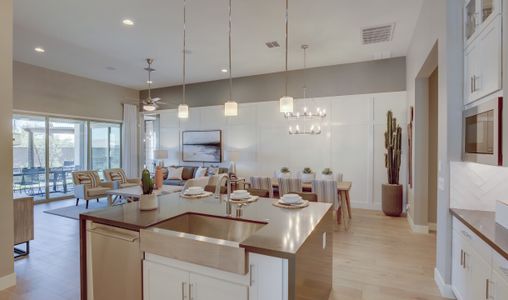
x: 230, y: 107
x: 183, y: 109
x: 286, y: 102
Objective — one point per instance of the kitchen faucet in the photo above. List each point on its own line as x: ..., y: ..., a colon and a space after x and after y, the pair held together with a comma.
x: 220, y: 180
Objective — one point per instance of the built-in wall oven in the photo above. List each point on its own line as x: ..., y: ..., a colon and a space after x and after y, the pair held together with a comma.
x: 482, y: 137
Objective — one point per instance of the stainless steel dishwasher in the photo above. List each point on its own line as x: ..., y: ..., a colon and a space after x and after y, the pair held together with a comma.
x: 116, y: 263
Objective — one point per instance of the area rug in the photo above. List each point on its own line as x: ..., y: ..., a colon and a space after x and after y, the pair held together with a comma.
x: 72, y: 212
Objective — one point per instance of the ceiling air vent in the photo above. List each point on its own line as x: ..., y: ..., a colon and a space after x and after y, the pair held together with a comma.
x: 377, y: 34
x: 273, y: 44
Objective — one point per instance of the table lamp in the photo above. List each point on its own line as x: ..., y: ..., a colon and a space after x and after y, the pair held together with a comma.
x: 233, y: 156
x: 160, y: 155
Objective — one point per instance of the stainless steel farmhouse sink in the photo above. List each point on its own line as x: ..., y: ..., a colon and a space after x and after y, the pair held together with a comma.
x: 201, y: 239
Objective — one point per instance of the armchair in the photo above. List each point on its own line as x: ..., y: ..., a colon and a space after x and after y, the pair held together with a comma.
x: 88, y: 185
x: 118, y: 175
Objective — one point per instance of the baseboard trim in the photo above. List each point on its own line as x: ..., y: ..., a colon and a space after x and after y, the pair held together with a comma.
x: 7, y: 281
x: 432, y: 227
x: 445, y: 289
x: 417, y: 228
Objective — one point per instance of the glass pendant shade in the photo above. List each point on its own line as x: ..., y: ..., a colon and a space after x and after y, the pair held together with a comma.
x: 149, y: 107
x: 183, y: 111
x: 286, y: 104
x: 231, y: 109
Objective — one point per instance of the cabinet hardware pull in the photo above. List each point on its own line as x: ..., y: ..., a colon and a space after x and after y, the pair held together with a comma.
x: 487, y: 289
x: 461, y: 258
x: 471, y: 85
x: 190, y: 291
x: 251, y: 281
x: 464, y: 260
x: 183, y: 291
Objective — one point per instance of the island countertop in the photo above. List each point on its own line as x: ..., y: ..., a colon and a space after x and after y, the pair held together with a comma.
x: 483, y: 223
x: 283, y: 235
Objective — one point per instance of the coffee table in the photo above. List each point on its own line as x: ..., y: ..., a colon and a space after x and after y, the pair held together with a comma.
x: 135, y: 192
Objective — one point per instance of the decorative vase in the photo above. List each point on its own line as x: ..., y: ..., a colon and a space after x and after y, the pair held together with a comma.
x: 392, y: 199
x: 306, y: 178
x: 148, y: 202
x: 159, y: 178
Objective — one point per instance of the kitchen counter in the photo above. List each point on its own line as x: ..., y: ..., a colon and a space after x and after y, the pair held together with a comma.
x: 286, y: 231
x: 483, y: 224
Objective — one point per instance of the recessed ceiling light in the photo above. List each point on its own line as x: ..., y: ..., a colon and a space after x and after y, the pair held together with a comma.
x: 224, y: 70
x: 39, y: 49
x: 128, y: 22
x: 149, y: 81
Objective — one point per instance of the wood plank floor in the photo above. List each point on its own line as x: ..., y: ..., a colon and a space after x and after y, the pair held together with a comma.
x: 379, y: 258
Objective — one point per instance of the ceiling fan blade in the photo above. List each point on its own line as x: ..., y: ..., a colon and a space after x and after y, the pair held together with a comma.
x: 156, y: 99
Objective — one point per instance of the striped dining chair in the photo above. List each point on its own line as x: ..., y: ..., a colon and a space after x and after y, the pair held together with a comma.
x: 264, y: 183
x: 326, y: 191
x: 289, y: 185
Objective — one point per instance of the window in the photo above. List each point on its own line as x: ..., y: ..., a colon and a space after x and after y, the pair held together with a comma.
x: 47, y: 150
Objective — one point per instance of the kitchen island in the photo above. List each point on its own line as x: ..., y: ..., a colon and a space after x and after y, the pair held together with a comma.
x: 267, y: 253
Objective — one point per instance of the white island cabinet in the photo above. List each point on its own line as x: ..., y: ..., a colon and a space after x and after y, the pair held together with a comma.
x: 478, y: 271
x: 166, y: 278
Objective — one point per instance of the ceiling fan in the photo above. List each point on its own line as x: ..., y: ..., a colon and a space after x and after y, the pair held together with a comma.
x: 150, y: 104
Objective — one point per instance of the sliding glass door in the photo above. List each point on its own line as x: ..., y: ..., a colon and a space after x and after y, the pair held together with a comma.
x: 47, y: 150
x: 29, y: 156
x: 67, y: 153
x: 105, y: 139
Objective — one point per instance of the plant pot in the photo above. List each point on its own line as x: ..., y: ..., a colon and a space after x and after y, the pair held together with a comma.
x: 307, y: 178
x: 148, y: 202
x: 284, y: 175
x: 392, y: 199
x: 327, y: 177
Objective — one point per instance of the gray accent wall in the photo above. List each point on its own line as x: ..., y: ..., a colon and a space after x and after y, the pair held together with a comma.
x: 387, y: 75
x: 45, y: 91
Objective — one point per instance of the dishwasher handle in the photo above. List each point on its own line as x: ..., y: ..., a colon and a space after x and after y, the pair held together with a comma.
x: 113, y: 234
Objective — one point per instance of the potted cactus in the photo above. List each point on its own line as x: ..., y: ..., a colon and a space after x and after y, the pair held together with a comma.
x: 284, y: 173
x: 392, y: 191
x: 327, y: 174
x: 148, y: 200
x: 307, y: 175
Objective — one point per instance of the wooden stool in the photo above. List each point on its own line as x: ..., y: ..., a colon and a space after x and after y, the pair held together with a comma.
x: 343, y: 190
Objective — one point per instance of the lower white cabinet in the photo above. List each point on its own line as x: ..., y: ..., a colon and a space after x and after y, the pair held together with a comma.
x: 169, y: 279
x: 477, y: 270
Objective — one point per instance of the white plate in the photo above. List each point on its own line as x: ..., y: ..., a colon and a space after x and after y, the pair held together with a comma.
x: 194, y: 192
x: 240, y: 197
x: 291, y: 199
x: 300, y: 201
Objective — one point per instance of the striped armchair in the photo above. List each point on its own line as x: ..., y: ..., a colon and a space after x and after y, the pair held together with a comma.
x: 289, y: 185
x: 88, y: 185
x: 118, y: 175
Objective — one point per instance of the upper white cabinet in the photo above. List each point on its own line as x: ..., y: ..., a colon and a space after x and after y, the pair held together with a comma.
x: 482, y: 63
x: 477, y: 15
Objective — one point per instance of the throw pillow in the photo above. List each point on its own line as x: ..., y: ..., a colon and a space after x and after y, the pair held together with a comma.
x: 201, y: 172
x: 213, y: 171
x: 175, y: 173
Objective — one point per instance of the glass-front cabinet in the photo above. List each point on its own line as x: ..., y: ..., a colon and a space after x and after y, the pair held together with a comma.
x: 477, y: 15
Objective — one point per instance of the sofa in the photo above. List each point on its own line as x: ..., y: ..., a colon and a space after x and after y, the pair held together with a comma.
x: 189, y: 172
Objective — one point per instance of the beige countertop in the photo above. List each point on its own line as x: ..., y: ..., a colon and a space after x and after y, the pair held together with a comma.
x: 286, y: 231
x: 483, y: 223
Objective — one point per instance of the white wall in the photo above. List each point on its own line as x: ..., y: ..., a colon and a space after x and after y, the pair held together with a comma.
x: 440, y: 22
x: 352, y: 141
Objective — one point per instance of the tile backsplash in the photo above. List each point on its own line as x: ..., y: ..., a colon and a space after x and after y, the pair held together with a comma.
x: 476, y: 186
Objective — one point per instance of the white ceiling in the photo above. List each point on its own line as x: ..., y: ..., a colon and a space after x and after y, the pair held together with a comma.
x: 86, y: 37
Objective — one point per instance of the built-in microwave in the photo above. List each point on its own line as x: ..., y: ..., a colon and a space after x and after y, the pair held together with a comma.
x: 482, y: 133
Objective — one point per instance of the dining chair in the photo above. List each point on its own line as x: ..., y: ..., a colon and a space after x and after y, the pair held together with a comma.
x: 311, y: 197
x: 264, y: 183
x: 326, y: 191
x: 289, y: 185
x: 259, y: 192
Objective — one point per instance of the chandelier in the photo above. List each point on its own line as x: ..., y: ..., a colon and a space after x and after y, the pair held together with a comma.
x: 310, y: 121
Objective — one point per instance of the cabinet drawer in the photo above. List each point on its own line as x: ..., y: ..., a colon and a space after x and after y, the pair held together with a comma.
x: 500, y: 265
x: 474, y: 240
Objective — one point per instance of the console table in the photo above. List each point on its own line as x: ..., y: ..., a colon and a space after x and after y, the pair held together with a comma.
x: 23, y: 224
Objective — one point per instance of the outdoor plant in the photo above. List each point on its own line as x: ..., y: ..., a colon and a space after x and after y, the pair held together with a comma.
x: 327, y: 171
x: 284, y: 170
x: 393, y: 139
x: 146, y: 182
x: 307, y: 170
